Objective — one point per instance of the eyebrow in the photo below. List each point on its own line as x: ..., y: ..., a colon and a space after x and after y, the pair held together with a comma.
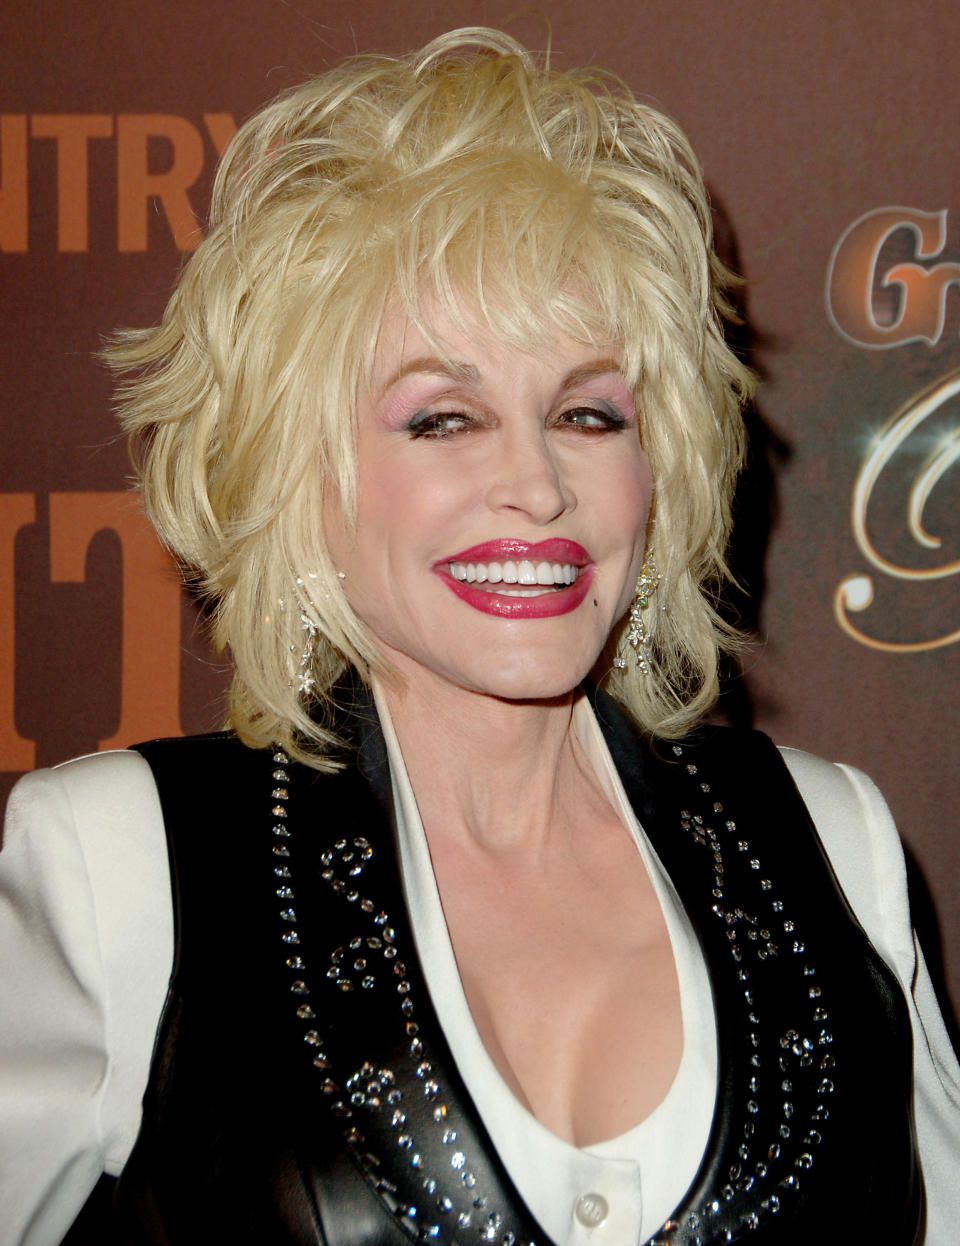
x: 433, y: 364
x: 600, y: 367
x: 470, y: 374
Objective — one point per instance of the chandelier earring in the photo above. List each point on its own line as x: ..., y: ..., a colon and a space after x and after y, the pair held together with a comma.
x: 303, y: 677
x: 303, y: 662
x: 303, y: 680
x: 637, y: 636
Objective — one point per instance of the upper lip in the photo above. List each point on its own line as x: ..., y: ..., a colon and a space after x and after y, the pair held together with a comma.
x: 557, y: 549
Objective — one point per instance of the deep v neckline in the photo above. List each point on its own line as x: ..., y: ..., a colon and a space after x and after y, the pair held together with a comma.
x: 646, y: 1177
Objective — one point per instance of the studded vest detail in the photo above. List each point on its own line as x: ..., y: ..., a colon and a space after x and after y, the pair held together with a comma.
x: 302, y: 1090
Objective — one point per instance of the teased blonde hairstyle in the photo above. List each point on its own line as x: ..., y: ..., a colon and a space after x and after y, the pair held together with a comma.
x: 467, y: 175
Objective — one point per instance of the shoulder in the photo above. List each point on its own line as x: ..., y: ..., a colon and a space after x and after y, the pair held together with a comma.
x: 87, y: 837
x: 105, y: 780
x: 210, y: 760
x: 850, y: 816
x: 90, y: 810
x: 833, y: 786
x: 858, y: 833
x: 852, y: 822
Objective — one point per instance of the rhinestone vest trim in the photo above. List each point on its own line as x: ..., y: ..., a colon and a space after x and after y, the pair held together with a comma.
x: 808, y: 1017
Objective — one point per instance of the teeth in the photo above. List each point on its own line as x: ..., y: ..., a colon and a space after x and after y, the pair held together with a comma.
x: 525, y: 573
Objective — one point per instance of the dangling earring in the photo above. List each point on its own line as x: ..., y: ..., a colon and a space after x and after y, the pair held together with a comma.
x: 637, y: 635
x: 303, y: 679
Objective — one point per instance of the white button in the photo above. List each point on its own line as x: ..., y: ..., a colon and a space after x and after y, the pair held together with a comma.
x: 591, y: 1210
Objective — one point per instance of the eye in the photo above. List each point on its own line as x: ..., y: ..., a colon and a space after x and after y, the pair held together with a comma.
x: 600, y: 418
x: 439, y: 424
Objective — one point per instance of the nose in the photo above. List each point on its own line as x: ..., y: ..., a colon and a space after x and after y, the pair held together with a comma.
x: 529, y: 479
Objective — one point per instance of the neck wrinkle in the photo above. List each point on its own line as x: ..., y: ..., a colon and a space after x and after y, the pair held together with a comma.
x: 495, y: 772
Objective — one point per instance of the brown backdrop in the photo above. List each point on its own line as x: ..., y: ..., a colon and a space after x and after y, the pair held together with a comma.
x: 826, y: 131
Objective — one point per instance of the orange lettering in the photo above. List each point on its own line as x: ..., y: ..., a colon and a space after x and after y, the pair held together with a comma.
x: 16, y: 511
x: 72, y: 132
x: 13, y: 183
x: 853, y: 269
x: 150, y: 652
x: 924, y: 299
x: 136, y: 185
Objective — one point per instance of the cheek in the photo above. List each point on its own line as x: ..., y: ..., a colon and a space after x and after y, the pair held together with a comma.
x: 378, y: 511
x: 335, y: 534
x: 645, y: 487
x: 412, y: 509
x: 627, y: 499
x: 630, y: 508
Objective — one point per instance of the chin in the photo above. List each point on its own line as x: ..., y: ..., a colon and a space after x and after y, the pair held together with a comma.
x: 515, y: 669
x: 529, y: 679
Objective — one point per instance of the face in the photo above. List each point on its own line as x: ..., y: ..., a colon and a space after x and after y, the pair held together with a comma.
x: 502, y: 507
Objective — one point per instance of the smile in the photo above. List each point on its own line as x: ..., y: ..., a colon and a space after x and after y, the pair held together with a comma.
x: 519, y: 580
x: 543, y: 575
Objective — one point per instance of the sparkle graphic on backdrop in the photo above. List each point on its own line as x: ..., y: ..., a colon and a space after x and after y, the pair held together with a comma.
x: 877, y: 307
x: 855, y: 593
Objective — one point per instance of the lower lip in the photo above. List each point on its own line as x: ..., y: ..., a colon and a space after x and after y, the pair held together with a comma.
x: 545, y: 606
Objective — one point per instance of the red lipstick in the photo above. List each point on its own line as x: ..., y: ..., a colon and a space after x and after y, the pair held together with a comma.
x: 555, y: 550
x: 545, y: 605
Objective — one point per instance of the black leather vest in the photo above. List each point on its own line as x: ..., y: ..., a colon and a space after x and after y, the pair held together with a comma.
x: 302, y: 1090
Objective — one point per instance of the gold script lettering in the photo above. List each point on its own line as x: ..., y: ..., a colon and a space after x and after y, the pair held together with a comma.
x: 855, y: 592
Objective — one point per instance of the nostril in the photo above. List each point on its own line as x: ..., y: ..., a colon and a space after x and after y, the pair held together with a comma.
x: 533, y: 485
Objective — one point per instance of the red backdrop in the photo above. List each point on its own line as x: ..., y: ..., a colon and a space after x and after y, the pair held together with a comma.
x: 826, y: 133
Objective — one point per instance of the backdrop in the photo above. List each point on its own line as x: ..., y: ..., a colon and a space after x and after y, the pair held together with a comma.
x: 826, y: 132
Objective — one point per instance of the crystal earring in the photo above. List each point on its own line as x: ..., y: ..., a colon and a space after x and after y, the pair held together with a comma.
x: 303, y: 679
x: 637, y: 635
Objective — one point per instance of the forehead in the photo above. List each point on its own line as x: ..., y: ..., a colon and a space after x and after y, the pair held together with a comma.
x: 466, y: 347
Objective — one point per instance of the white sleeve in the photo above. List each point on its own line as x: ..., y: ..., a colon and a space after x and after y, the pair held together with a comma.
x: 861, y: 840
x: 86, y: 944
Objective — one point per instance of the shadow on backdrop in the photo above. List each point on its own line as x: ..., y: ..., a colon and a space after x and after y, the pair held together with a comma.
x: 755, y: 503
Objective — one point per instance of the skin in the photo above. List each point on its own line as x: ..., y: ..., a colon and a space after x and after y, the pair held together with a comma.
x: 549, y: 908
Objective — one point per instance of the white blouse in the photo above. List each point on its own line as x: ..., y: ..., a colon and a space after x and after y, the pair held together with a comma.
x: 86, y: 946
x: 626, y: 1186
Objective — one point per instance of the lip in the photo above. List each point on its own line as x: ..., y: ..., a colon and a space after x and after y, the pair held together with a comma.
x: 557, y: 549
x: 547, y: 605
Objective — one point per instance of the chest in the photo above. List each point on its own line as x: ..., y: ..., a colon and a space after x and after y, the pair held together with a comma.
x: 568, y: 970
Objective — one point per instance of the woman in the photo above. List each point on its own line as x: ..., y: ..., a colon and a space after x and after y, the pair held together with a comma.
x: 441, y: 418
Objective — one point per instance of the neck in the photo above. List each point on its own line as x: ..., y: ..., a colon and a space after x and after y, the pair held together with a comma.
x: 496, y: 771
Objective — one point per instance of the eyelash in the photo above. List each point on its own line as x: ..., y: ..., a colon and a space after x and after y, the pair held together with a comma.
x: 430, y: 424
x: 610, y: 419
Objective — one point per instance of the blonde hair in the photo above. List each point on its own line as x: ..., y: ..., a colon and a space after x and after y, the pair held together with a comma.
x: 467, y: 175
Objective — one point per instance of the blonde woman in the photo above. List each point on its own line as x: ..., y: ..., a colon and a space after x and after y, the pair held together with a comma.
x: 440, y: 942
